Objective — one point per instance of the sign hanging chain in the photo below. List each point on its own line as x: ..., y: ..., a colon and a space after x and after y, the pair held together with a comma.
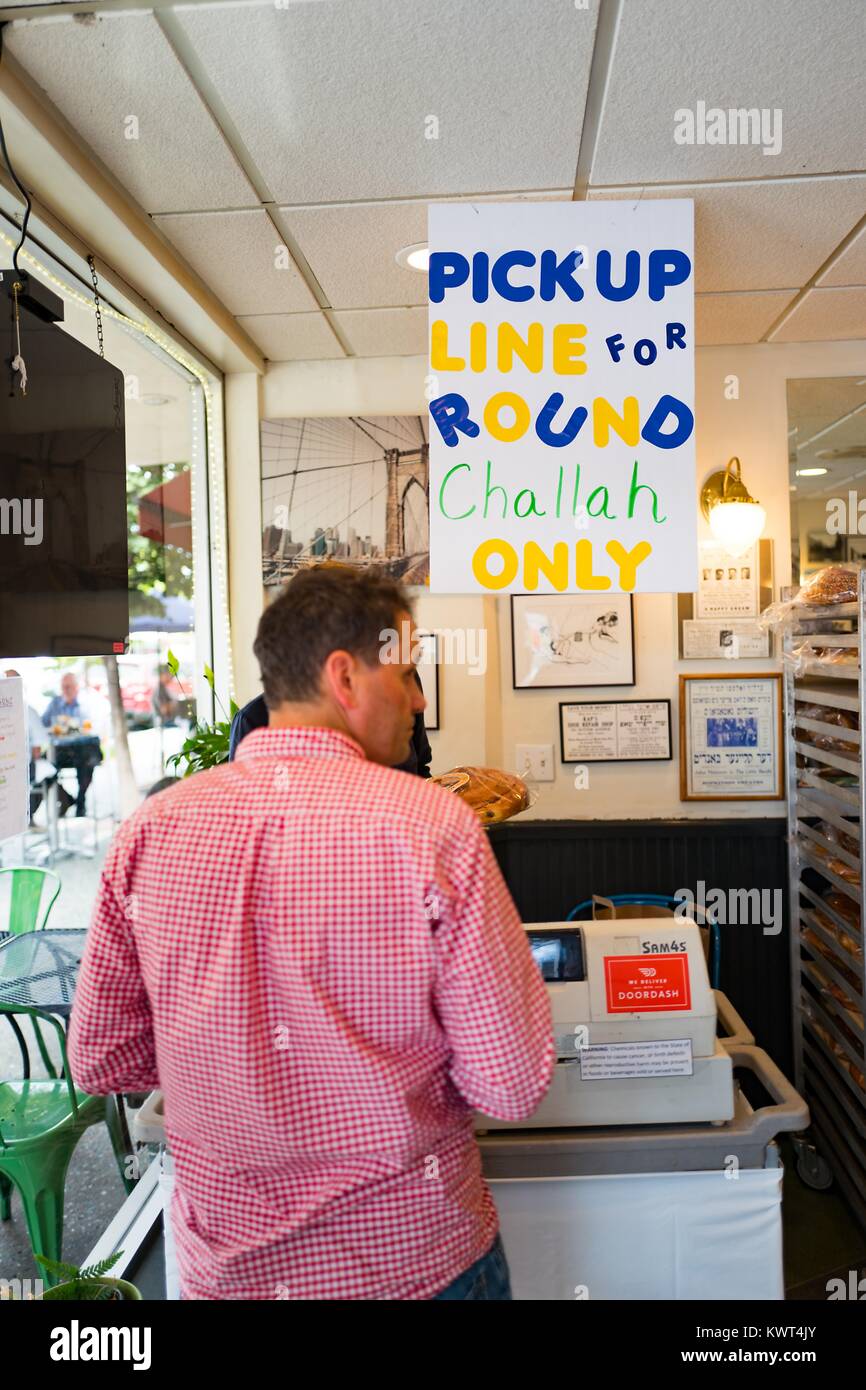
x: 97, y: 305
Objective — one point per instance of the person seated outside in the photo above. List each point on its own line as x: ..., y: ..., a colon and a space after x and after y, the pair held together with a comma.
x: 69, y: 713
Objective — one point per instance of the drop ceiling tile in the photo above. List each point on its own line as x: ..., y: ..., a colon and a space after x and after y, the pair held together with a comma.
x: 737, y: 318
x: 826, y: 315
x: 351, y: 249
x: 105, y: 72
x: 345, y: 93
x: 763, y: 236
x: 241, y: 257
x: 292, y: 337
x: 384, y: 332
x: 850, y: 268
x: 776, y: 55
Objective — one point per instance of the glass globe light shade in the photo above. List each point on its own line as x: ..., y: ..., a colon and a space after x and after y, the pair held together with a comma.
x: 737, y: 525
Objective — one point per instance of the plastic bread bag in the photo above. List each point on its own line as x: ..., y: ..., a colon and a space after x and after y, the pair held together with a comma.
x: 817, y: 947
x: 837, y: 656
x: 835, y: 584
x: 844, y: 907
x: 839, y: 718
x: 850, y: 843
x: 806, y: 654
x: 830, y: 586
x: 836, y: 866
x: 493, y: 795
x: 836, y: 1048
x: 845, y: 941
x: 798, y: 657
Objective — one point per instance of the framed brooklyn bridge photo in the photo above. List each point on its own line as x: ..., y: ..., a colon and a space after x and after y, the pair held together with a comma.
x: 353, y: 489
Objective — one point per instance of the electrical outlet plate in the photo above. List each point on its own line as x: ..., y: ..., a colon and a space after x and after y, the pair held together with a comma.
x: 535, y: 762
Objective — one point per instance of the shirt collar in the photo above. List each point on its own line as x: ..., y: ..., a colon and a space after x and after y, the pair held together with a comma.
x: 300, y: 741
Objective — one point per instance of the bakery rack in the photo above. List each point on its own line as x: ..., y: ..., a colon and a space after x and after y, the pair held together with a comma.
x: 825, y: 798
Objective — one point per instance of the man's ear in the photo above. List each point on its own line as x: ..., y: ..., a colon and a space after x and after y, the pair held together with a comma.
x: 340, y: 678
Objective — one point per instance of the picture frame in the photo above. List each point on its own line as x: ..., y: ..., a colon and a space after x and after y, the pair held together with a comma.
x: 572, y: 641
x: 700, y: 613
x: 622, y: 731
x: 428, y: 670
x: 347, y: 489
x: 731, y: 737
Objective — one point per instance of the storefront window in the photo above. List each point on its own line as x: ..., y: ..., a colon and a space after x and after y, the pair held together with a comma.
x: 140, y: 705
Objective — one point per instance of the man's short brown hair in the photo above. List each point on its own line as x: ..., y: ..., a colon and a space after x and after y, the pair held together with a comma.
x: 326, y: 608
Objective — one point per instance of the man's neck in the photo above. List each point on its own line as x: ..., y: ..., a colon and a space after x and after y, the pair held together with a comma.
x: 301, y: 715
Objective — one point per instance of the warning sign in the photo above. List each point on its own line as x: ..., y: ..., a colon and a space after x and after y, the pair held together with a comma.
x: 607, y: 1061
x: 647, y: 984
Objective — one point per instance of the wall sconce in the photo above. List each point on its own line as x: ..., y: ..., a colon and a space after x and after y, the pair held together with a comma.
x: 736, y: 519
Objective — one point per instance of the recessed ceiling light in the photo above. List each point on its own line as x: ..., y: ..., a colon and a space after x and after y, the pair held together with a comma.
x: 810, y: 472
x: 156, y: 400
x: 416, y: 257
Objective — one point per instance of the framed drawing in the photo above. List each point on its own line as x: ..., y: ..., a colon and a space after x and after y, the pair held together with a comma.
x: 428, y: 670
x: 571, y: 641
x: 731, y: 738
x: 616, y: 731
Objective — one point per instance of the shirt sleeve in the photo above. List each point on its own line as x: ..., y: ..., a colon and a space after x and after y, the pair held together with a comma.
x: 489, y: 995
x: 48, y: 715
x: 111, y: 1042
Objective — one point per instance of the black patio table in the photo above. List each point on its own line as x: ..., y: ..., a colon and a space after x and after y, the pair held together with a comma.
x: 39, y: 969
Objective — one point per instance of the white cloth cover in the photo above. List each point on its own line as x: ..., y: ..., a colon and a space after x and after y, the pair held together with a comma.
x: 644, y: 1236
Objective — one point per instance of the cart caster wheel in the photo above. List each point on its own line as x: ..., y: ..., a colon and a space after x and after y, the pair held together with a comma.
x: 814, y: 1170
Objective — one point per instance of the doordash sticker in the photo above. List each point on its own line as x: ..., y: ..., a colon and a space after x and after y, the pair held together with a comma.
x: 638, y: 984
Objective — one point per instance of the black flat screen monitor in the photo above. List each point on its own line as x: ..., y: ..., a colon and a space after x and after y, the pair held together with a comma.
x: 63, y: 531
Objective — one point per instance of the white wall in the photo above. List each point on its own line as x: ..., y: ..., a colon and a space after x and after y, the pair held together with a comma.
x: 482, y: 717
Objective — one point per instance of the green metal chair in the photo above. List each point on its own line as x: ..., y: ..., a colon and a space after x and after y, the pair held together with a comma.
x: 41, y: 1123
x: 28, y: 888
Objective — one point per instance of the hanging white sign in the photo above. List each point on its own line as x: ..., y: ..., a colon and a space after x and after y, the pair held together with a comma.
x: 14, y: 759
x: 561, y: 396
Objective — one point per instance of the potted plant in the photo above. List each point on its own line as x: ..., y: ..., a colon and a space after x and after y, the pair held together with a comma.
x: 208, y: 744
x: 88, y: 1285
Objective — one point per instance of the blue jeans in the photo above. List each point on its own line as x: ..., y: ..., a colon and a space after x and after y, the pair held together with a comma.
x: 487, y: 1279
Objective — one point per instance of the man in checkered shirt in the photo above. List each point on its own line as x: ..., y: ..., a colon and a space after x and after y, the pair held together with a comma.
x: 316, y: 959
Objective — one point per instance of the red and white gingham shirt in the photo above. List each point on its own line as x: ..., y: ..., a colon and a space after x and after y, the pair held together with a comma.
x: 318, y: 962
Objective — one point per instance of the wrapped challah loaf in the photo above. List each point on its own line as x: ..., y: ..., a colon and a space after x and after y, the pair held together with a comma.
x: 494, y: 796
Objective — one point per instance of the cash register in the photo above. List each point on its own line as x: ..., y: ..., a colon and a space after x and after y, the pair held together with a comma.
x: 634, y: 1020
